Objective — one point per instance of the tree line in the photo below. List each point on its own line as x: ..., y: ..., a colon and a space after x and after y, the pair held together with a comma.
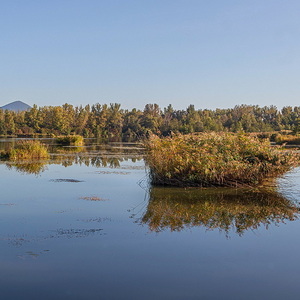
x: 111, y: 121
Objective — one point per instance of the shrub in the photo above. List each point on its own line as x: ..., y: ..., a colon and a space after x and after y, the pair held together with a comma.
x: 215, y: 159
x: 70, y: 140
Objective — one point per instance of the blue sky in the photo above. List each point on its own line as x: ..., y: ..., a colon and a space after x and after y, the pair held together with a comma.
x: 210, y: 53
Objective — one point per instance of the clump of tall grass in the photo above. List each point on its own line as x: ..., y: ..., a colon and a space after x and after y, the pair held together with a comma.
x: 70, y: 140
x: 27, y: 150
x: 215, y: 159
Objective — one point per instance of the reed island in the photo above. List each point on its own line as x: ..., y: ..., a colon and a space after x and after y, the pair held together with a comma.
x: 215, y: 159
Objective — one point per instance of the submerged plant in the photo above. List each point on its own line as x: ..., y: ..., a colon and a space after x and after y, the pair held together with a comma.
x: 215, y: 159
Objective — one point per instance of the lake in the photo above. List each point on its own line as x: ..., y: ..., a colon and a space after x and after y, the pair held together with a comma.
x: 88, y: 225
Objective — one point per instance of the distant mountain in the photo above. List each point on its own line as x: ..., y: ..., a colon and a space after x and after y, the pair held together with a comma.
x: 16, y: 106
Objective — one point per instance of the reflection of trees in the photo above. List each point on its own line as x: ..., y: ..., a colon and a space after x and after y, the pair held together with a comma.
x: 93, y: 160
x: 36, y: 167
x: 225, y: 209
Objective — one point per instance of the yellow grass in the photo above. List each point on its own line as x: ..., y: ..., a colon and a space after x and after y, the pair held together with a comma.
x: 215, y: 159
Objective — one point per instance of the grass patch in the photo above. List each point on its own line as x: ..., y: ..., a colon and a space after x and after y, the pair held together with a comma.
x: 215, y: 159
x: 26, y: 150
x: 70, y: 140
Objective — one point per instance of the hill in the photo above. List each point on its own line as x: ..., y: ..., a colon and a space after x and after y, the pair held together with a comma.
x: 16, y: 106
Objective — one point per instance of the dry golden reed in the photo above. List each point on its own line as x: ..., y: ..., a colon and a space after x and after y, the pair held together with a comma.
x: 215, y: 159
x: 27, y: 150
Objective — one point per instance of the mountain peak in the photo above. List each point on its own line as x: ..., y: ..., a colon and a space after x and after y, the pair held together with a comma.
x: 16, y: 106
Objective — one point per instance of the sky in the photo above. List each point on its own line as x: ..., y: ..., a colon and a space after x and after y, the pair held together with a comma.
x: 210, y: 53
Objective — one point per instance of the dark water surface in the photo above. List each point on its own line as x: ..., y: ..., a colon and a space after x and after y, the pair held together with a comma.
x: 86, y: 225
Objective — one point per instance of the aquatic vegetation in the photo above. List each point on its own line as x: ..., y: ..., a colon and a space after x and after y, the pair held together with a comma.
x: 65, y: 180
x: 228, y: 210
x: 93, y: 198
x: 70, y: 140
x: 112, y: 172
x: 76, y: 233
x: 26, y: 150
x: 215, y: 159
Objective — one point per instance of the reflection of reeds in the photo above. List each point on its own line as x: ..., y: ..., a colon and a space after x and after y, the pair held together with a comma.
x: 28, y: 167
x: 215, y: 159
x: 226, y: 209
x: 69, y: 149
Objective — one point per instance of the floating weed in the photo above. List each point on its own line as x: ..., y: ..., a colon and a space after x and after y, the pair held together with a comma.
x: 76, y: 233
x: 113, y: 172
x: 93, y: 198
x: 132, y: 167
x: 66, y: 180
x: 98, y: 220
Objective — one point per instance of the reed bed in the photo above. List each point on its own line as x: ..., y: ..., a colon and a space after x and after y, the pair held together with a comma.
x: 70, y: 140
x: 215, y: 159
x: 289, y: 139
x: 27, y: 150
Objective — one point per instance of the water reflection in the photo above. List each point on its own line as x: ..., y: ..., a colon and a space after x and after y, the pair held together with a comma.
x: 28, y: 167
x: 228, y: 210
x: 69, y: 149
x: 93, y: 154
x: 37, y: 167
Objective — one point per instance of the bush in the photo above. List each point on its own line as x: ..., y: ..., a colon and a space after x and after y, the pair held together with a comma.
x: 215, y: 159
x: 27, y: 150
x: 70, y: 140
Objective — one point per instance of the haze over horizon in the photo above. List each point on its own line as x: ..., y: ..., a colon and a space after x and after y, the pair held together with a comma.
x: 213, y: 54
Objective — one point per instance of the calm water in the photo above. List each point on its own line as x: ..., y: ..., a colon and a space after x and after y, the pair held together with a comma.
x: 87, y: 225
